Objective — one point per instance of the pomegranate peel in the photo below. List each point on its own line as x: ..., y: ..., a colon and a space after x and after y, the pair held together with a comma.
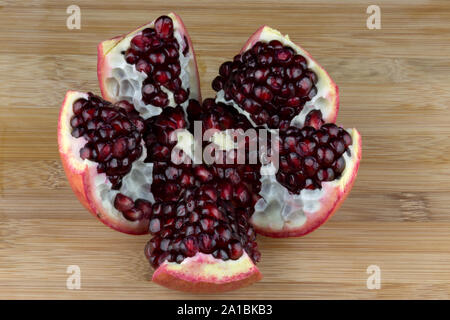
x: 204, y: 273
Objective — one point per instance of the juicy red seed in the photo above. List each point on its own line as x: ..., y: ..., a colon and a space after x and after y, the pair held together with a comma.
x: 175, y: 70
x: 325, y: 156
x: 139, y: 43
x: 123, y: 203
x: 263, y: 93
x: 261, y: 74
x: 235, y: 250
x: 133, y: 215
x: 314, y: 119
x: 306, y: 147
x: 120, y: 148
x: 206, y: 243
x: 251, y: 106
x: 130, y: 57
x: 203, y: 174
x: 274, y: 82
x: 294, y: 72
x: 225, y: 68
x: 332, y: 129
x: 338, y: 146
x: 78, y: 105
x: 347, y: 139
x: 221, y: 254
x: 144, y: 66
x: 217, y: 83
x: 160, y: 100
x: 158, y: 58
x: 339, y: 165
x: 164, y: 27
x: 171, y: 53
x: 162, y: 76
x: 242, y: 194
x: 283, y: 55
x: 265, y: 58
x: 275, y: 44
x: 294, y: 102
x: 144, y: 206
x: 149, y: 90
x: 181, y: 96
x: 207, y: 224
x: 303, y: 86
x: 86, y: 153
x: 295, y: 161
x: 104, y: 152
x: 310, y: 166
x: 190, y: 247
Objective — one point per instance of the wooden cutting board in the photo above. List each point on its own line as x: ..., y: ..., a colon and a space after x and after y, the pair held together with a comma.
x: 394, y: 85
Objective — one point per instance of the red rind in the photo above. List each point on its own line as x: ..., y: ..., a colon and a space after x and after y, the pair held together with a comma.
x: 190, y: 275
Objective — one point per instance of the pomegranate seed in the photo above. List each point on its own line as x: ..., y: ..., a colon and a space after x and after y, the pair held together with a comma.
x: 158, y: 58
x: 123, y: 203
x: 235, y: 249
x: 203, y: 174
x: 133, y: 215
x: 339, y: 165
x: 164, y: 27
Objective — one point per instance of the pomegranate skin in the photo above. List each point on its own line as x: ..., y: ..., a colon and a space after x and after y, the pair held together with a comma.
x: 205, y: 274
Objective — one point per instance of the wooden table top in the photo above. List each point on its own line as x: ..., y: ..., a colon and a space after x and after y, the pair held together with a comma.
x: 394, y: 87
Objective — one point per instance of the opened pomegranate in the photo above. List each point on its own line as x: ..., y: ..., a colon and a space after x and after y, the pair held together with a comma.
x: 133, y: 162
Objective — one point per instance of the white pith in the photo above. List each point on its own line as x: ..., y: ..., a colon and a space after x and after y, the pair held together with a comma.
x: 136, y: 184
x: 124, y: 82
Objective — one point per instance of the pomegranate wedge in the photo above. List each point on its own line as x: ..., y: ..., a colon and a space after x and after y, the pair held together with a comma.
x: 102, y: 155
x: 153, y: 67
x: 276, y: 83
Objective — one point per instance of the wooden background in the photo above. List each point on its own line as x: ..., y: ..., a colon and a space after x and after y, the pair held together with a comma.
x: 394, y: 86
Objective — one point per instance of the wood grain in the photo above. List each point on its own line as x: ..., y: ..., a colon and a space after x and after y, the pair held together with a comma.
x: 394, y: 86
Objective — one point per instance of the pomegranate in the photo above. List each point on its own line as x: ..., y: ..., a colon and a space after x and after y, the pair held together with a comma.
x: 276, y: 83
x: 131, y: 157
x: 153, y: 67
